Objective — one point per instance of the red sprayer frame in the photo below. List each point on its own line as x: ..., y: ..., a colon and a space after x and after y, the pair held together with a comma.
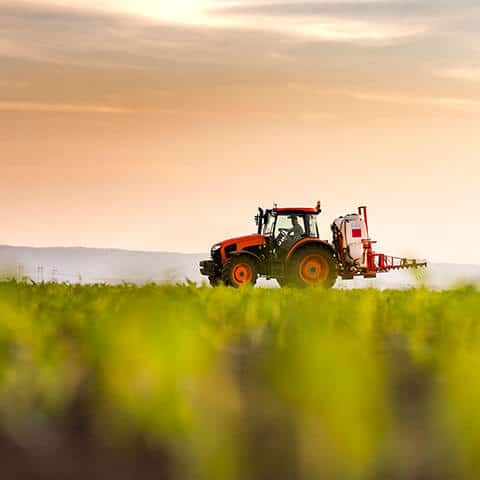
x: 379, y: 262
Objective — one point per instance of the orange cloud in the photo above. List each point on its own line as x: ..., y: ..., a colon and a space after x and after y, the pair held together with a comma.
x: 63, y: 108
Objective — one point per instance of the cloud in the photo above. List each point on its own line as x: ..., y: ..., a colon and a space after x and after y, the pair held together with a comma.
x: 470, y: 74
x: 72, y: 36
x: 350, y: 20
x: 327, y: 21
x: 455, y: 102
x: 60, y: 108
x: 360, y: 9
x: 81, y: 34
x: 374, y: 21
x: 337, y: 29
x: 14, y: 84
x: 324, y: 20
x: 181, y: 12
x: 102, y: 58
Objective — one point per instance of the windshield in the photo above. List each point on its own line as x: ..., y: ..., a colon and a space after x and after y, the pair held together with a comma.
x: 293, y: 225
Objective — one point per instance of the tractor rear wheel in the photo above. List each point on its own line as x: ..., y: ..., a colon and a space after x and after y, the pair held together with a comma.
x: 312, y: 267
x: 239, y: 271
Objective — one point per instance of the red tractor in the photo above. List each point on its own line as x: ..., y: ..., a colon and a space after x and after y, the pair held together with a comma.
x: 287, y: 247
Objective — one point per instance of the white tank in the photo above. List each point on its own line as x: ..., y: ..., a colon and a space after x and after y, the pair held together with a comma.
x: 353, y: 230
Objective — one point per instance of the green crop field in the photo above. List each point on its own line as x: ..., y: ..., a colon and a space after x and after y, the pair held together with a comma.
x: 181, y: 382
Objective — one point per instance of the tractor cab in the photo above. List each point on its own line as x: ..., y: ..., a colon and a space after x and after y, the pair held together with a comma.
x: 283, y: 227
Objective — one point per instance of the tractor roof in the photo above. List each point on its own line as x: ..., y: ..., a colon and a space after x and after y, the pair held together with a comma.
x: 297, y: 210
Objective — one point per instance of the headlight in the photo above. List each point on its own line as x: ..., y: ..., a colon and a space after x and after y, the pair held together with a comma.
x: 216, y: 247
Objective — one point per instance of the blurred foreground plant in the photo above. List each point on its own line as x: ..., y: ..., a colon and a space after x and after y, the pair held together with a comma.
x: 184, y: 382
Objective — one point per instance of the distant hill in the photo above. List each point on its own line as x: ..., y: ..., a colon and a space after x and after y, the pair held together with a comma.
x: 95, y: 265
x: 92, y: 265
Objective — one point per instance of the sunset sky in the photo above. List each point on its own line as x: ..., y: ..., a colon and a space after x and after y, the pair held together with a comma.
x: 162, y: 125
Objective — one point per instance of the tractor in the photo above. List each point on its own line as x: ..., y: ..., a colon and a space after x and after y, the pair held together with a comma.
x: 287, y: 247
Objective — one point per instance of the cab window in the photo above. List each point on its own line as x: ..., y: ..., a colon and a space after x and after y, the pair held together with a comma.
x: 269, y: 224
x: 312, y: 226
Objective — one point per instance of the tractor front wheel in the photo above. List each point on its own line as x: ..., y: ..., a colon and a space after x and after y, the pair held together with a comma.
x: 215, y: 281
x: 312, y: 267
x: 239, y: 271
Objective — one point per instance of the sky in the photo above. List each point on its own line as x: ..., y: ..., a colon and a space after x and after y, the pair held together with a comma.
x: 160, y: 125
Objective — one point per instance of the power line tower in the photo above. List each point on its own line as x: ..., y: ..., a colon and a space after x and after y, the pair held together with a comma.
x: 54, y: 274
x: 40, y: 277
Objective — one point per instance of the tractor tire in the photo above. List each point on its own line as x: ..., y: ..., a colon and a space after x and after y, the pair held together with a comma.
x: 312, y: 267
x: 215, y: 281
x: 240, y: 271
